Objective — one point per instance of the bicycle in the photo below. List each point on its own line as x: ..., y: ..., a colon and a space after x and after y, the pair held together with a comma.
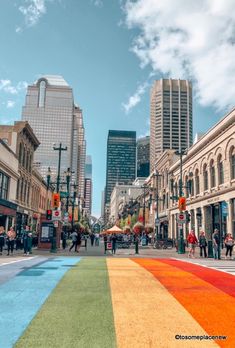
x: 163, y: 244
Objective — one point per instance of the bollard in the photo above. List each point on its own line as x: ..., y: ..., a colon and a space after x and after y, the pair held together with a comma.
x: 181, y: 246
x: 210, y: 249
x: 137, y: 246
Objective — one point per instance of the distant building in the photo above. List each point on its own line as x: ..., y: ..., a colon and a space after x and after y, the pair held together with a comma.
x: 121, y: 160
x: 88, y: 185
x: 143, y: 157
x: 51, y: 112
x: 171, y: 122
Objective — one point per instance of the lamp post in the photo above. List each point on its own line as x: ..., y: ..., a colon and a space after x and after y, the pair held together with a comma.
x: 157, y: 224
x: 68, y: 178
x: 73, y: 203
x: 60, y: 149
x: 181, y: 247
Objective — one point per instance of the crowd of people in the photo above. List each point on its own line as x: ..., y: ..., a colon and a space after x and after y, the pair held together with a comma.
x: 10, y: 241
x: 203, y: 244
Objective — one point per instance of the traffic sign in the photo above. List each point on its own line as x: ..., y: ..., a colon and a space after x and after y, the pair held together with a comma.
x: 56, y: 215
x: 56, y: 223
x: 181, y: 217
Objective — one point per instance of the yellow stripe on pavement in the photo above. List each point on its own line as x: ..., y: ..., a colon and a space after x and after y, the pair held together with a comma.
x: 146, y: 315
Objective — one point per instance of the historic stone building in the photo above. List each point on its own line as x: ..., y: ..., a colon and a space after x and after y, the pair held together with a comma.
x: 208, y: 173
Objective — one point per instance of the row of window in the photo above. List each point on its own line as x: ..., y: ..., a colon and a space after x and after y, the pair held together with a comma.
x: 4, y: 185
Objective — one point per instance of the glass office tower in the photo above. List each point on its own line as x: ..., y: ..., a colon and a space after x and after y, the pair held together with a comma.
x: 121, y: 160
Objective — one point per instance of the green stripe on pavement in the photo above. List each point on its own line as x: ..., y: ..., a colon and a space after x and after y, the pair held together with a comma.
x: 78, y: 313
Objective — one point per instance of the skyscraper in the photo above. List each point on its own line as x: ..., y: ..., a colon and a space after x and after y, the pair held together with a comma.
x: 121, y: 160
x: 143, y: 157
x: 171, y: 117
x: 50, y: 110
x: 88, y: 185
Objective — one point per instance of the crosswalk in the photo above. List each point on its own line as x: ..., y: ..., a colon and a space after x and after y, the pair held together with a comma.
x: 227, y: 266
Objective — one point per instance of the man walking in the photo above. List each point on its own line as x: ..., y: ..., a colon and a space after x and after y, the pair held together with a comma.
x: 74, y: 237
x: 216, y: 244
x: 11, y: 236
x: 192, y: 240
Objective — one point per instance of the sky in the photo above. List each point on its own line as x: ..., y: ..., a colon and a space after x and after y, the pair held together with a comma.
x: 110, y: 52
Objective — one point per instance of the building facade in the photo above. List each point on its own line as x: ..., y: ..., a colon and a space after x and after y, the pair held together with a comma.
x: 170, y: 117
x: 143, y: 157
x: 88, y: 186
x: 121, y: 160
x: 8, y: 185
x: 23, y: 142
x: 50, y: 110
x: 208, y: 178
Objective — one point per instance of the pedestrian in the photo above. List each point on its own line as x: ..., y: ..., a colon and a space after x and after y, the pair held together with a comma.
x: 92, y: 236
x: 229, y: 243
x: 64, y: 238
x: 105, y: 243
x: 202, y: 243
x: 79, y: 241
x: 97, y: 239
x: 192, y: 240
x: 216, y: 244
x: 74, y: 237
x: 11, y: 236
x: 114, y: 243
x: 25, y: 237
x: 2, y: 238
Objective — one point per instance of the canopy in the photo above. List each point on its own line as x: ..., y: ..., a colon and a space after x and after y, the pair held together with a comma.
x: 114, y: 229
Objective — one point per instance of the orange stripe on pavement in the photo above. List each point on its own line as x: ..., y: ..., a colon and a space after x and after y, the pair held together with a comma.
x: 213, y: 309
x: 146, y: 315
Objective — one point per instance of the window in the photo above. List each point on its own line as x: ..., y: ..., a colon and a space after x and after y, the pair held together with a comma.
x: 232, y: 162
x: 197, y: 184
x: 212, y: 174
x: 220, y: 170
x: 4, y: 184
x: 42, y: 94
x: 205, y: 178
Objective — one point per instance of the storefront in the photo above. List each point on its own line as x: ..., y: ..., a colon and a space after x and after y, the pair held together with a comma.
x: 21, y: 219
x: 7, y: 213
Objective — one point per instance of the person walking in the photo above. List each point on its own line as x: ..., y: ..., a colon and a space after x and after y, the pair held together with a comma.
x: 105, y: 243
x: 79, y: 241
x: 74, y: 237
x: 114, y: 243
x: 192, y: 240
x: 25, y: 237
x: 2, y: 238
x: 202, y: 243
x: 216, y: 244
x: 92, y: 238
x: 97, y: 239
x: 229, y: 243
x: 11, y: 236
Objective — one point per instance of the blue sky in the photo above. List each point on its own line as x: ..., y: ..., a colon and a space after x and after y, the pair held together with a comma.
x: 110, y: 52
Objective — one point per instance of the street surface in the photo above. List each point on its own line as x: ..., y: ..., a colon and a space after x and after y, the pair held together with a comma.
x: 87, y: 299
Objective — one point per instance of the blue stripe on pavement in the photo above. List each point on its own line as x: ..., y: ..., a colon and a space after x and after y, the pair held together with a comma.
x: 22, y: 296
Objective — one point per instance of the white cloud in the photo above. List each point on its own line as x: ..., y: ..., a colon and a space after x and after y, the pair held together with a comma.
x: 98, y: 3
x: 7, y: 87
x: 135, y: 98
x: 10, y: 104
x: 188, y: 39
x: 32, y: 11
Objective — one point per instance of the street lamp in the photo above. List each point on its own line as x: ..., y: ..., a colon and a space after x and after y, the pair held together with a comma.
x: 181, y: 248
x: 68, y: 178
x: 60, y: 149
x: 157, y: 224
x: 73, y: 203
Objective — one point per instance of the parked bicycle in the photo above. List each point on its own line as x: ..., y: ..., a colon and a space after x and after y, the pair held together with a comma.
x: 163, y: 244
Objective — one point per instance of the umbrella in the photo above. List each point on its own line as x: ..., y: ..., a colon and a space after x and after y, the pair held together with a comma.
x: 114, y: 229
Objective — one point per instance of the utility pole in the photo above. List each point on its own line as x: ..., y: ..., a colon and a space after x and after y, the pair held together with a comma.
x: 157, y: 175
x: 181, y: 247
x: 60, y: 149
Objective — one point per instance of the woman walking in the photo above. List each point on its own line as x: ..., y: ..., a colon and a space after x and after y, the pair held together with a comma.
x: 2, y: 238
x: 229, y: 243
x: 11, y: 236
x: 202, y: 243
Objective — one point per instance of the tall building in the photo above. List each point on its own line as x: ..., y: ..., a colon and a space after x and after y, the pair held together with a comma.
x: 50, y: 110
x: 121, y: 160
x: 171, y: 124
x: 143, y: 157
x: 88, y: 185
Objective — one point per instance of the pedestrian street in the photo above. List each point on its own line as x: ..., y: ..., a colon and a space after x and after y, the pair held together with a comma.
x: 91, y: 302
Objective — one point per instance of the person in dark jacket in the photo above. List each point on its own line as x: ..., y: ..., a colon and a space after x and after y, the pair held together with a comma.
x: 216, y: 244
x: 92, y: 238
x: 114, y: 243
x: 202, y: 243
x: 2, y: 238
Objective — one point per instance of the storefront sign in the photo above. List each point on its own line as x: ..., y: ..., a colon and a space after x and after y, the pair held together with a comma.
x: 224, y: 208
x: 213, y: 200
